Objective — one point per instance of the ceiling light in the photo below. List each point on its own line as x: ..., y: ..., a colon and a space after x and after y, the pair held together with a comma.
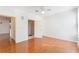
x: 43, y: 12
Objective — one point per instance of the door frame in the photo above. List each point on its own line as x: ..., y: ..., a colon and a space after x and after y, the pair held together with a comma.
x: 34, y: 27
x: 13, y: 25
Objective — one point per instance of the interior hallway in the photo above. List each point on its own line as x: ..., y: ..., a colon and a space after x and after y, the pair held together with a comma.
x: 39, y: 45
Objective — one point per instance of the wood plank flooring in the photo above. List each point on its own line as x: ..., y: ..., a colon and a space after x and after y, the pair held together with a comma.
x: 6, y: 43
x: 38, y: 45
x: 47, y: 45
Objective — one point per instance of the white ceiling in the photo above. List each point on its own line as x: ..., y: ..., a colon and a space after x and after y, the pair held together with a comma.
x: 49, y: 10
x: 57, y: 9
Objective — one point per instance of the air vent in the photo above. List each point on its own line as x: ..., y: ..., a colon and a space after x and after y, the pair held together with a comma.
x: 36, y: 10
x: 48, y: 9
x: 0, y: 22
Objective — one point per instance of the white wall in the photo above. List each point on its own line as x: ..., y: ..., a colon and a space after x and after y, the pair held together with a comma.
x: 62, y: 25
x: 53, y: 26
x: 4, y: 27
x: 38, y: 29
x: 39, y: 23
x: 78, y: 27
x: 21, y: 24
x: 78, y: 24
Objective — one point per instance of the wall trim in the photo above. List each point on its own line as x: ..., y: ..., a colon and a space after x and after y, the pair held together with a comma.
x: 60, y: 38
x: 63, y: 40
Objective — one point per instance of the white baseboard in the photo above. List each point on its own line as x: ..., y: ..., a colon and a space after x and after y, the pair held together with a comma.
x: 64, y: 39
x: 61, y: 38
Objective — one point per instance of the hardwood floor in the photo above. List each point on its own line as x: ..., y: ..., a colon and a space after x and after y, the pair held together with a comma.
x: 78, y: 50
x: 57, y: 45
x: 38, y: 45
x: 47, y: 45
x: 6, y: 44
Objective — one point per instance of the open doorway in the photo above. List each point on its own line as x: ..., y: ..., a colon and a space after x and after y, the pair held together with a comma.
x: 31, y: 29
x: 7, y: 33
